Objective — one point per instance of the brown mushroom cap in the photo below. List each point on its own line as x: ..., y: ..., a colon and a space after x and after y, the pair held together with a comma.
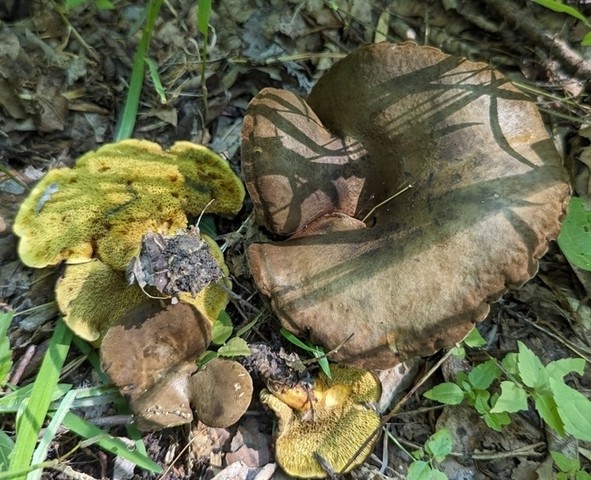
x: 488, y: 194
x: 149, y: 354
x: 221, y: 392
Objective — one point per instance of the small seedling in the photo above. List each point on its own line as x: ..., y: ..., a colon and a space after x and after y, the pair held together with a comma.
x: 563, y: 408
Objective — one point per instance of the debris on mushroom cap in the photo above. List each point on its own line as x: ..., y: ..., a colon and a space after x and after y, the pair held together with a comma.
x: 114, y: 195
x: 488, y: 193
x: 92, y: 296
x: 329, y: 431
x: 221, y: 392
x: 149, y: 354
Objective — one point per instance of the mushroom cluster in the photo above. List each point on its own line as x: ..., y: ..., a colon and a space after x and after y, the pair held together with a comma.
x: 393, y: 276
x: 136, y: 282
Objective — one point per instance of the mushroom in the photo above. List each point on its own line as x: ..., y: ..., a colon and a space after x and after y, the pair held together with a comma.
x: 150, y: 356
x: 386, y: 276
x: 221, y: 392
x: 105, y: 204
x: 324, y: 428
x: 92, y: 296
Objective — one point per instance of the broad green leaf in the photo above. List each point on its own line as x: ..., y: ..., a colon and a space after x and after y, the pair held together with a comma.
x: 437, y: 475
x: 448, y: 393
x: 513, y: 399
x: 481, y: 403
x: 586, y: 42
x: 458, y: 352
x: 69, y: 4
x: 546, y: 407
x: 531, y: 370
x: 235, y: 347
x: 580, y: 475
x: 509, y: 363
x: 559, y: 368
x: 482, y: 376
x: 575, y: 236
x: 439, y: 445
x: 474, y: 339
x: 564, y: 463
x: 5, y: 352
x: 574, y: 409
x: 560, y: 7
x: 222, y: 329
x: 419, y: 470
x: 497, y: 421
x: 34, y: 414
x: 6, y: 446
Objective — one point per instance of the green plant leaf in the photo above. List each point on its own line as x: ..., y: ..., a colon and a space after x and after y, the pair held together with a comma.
x: 203, y: 17
x: 153, y: 69
x: 109, y: 443
x: 104, y: 5
x: 564, y: 463
x: 69, y: 4
x: 586, y: 42
x: 481, y: 401
x: 206, y: 356
x: 497, y: 421
x: 509, y: 363
x: 513, y: 399
x: 575, y: 236
x: 222, y: 329
x: 482, y: 376
x: 560, y: 7
x: 6, y: 447
x: 35, y: 409
x: 235, y: 347
x: 419, y: 470
x: 574, y: 409
x: 580, y: 475
x: 5, y: 351
x: 439, y: 445
x: 531, y: 370
x: 474, y: 339
x: 546, y: 407
x: 11, y: 402
x: 559, y: 368
x: 448, y: 393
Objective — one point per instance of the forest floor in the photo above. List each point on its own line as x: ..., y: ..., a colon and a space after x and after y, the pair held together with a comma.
x: 63, y: 82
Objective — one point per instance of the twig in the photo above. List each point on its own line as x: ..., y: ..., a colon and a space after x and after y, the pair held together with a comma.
x: 522, y: 20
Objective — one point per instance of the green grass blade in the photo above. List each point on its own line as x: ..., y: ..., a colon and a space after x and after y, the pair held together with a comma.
x: 127, y: 122
x: 12, y: 401
x: 50, y: 432
x: 34, y: 413
x: 109, y: 443
x: 156, y: 79
x: 5, y: 352
x: 6, y: 447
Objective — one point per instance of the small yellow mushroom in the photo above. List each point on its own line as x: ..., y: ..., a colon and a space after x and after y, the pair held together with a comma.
x: 326, y: 432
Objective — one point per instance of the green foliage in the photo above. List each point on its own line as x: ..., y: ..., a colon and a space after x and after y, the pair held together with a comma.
x: 558, y: 6
x: 575, y: 236
x: 5, y: 351
x: 562, y: 407
x: 568, y: 468
x: 100, y: 4
x: 315, y: 350
x: 436, y: 448
x: 229, y: 346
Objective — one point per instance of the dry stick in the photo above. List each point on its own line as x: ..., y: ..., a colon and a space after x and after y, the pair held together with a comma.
x: 522, y: 20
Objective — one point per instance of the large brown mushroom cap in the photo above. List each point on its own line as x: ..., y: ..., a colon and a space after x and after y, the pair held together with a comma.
x: 488, y: 194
